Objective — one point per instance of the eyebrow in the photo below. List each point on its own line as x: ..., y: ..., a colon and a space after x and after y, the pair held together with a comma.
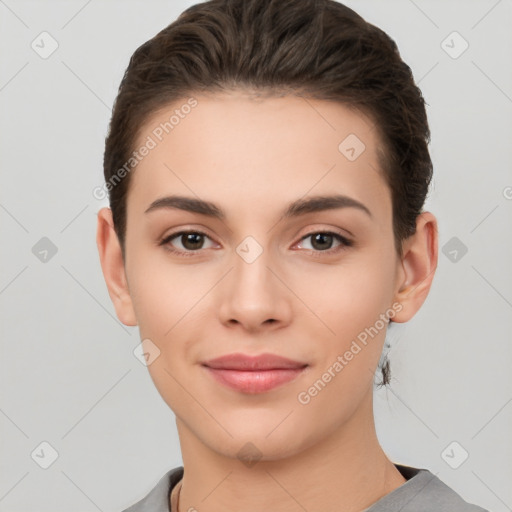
x: 294, y: 209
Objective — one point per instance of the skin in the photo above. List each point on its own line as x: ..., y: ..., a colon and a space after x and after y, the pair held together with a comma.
x: 252, y: 157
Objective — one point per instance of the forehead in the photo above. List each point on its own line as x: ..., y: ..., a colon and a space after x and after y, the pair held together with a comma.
x: 259, y: 150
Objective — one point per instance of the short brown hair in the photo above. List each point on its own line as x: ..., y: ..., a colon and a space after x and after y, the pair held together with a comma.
x: 312, y: 48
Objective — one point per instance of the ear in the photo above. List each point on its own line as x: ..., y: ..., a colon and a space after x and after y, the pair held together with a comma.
x: 112, y: 264
x: 419, y: 263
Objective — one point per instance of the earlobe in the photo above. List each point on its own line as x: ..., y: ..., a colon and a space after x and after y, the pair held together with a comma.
x: 419, y: 262
x: 113, y: 268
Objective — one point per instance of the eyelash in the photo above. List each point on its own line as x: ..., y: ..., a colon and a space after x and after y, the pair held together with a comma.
x: 345, y: 243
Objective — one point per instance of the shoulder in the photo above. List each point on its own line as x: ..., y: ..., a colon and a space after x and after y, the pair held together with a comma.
x: 423, y: 492
x: 157, y: 500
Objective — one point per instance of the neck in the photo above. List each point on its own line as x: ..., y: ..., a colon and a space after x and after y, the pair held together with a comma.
x: 347, y: 470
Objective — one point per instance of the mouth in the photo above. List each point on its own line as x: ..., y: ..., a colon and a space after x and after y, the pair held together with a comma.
x: 254, y: 374
x: 254, y: 381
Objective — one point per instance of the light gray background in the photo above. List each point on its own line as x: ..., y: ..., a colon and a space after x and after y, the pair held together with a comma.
x: 68, y: 373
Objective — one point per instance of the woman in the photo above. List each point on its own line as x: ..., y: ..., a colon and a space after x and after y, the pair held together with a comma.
x: 247, y: 135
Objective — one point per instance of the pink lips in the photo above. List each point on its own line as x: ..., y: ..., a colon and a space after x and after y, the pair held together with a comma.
x: 253, y: 374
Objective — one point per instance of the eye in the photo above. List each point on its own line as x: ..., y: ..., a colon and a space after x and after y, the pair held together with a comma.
x: 321, y: 242
x: 191, y: 242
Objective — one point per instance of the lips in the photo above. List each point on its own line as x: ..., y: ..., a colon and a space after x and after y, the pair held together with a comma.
x: 247, y: 363
x: 253, y: 374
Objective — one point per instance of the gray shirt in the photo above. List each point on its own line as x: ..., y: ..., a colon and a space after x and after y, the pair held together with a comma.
x: 422, y: 492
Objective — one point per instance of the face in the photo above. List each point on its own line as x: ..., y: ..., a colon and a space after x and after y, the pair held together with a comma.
x: 314, y: 284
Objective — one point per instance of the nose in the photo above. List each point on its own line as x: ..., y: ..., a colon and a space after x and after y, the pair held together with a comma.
x: 253, y: 295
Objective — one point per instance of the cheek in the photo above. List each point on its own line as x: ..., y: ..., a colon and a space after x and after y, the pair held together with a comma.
x: 350, y: 297
x: 163, y: 293
x: 349, y: 302
x: 166, y: 298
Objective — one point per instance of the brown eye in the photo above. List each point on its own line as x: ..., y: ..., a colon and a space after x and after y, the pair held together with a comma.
x: 190, y: 241
x: 322, y: 242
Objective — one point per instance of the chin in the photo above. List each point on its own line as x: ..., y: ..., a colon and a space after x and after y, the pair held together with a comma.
x: 256, y: 445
